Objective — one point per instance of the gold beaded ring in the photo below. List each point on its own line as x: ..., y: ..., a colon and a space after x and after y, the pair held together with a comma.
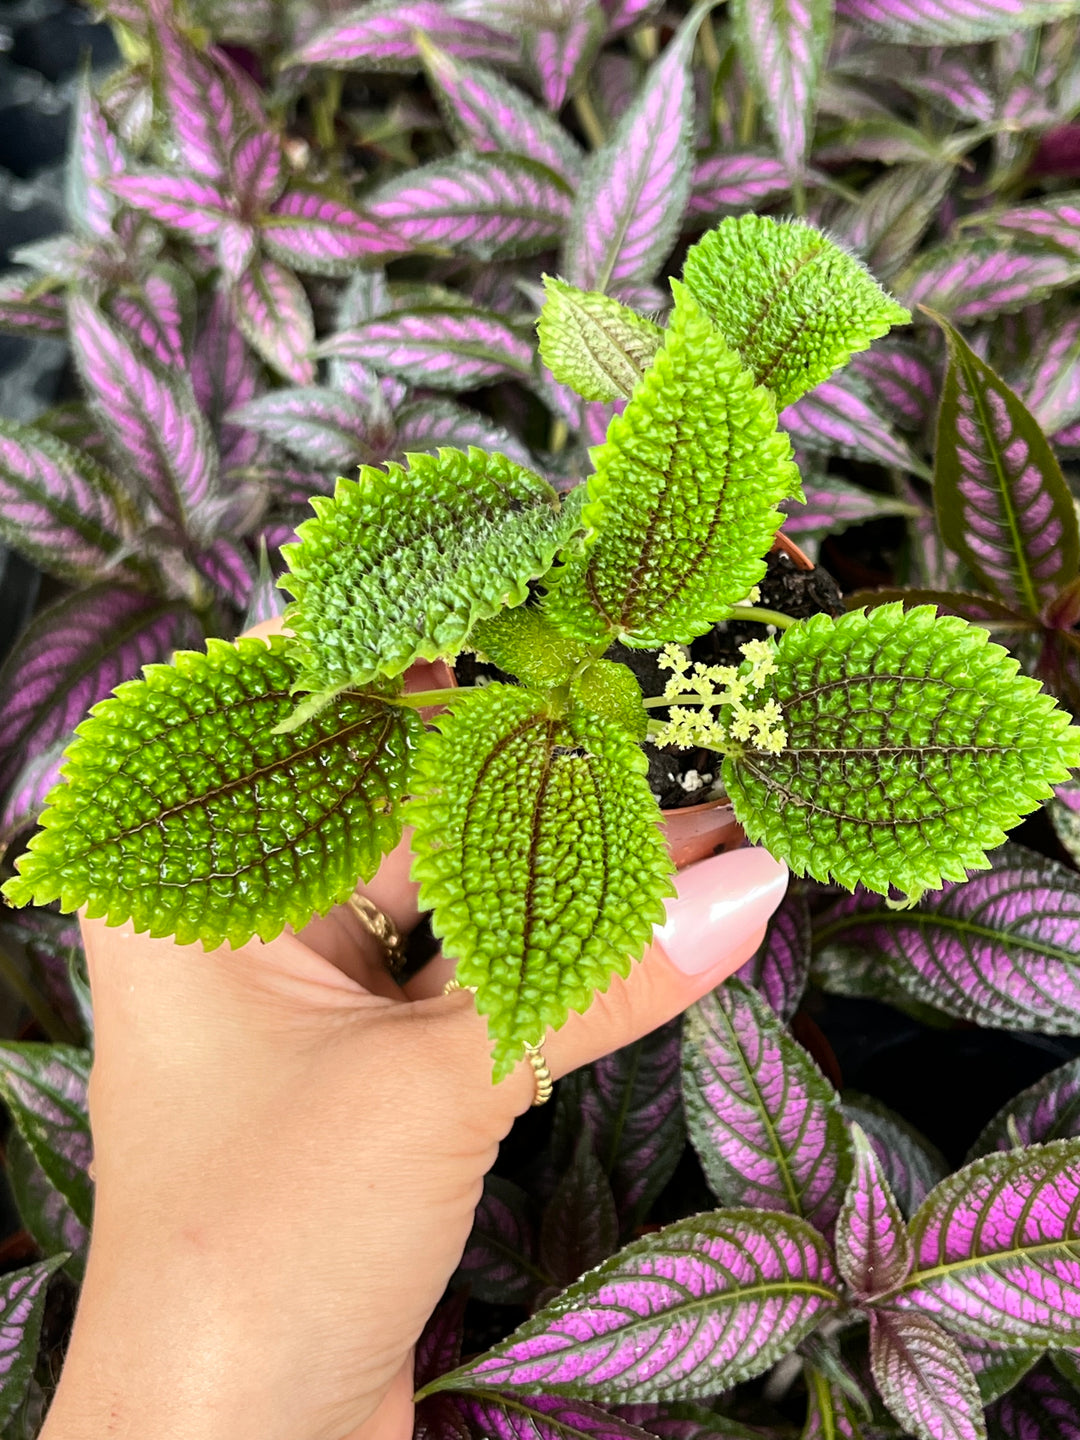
x: 533, y: 1053
x: 381, y: 929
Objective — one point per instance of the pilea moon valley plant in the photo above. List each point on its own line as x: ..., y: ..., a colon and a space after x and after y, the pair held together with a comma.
x: 246, y: 788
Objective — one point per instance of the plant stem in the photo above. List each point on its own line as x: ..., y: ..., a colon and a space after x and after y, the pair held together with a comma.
x: 588, y: 119
x: 761, y: 617
x: 421, y: 699
x: 54, y: 1025
x: 710, y: 51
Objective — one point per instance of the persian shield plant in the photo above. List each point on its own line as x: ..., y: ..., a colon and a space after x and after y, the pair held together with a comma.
x: 890, y: 748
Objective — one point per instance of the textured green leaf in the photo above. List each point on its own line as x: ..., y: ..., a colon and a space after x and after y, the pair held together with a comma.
x: 182, y: 810
x: 594, y: 344
x: 611, y: 690
x: 402, y: 563
x: 539, y: 852
x: 913, y: 745
x: 791, y: 302
x: 683, y: 499
x: 525, y: 644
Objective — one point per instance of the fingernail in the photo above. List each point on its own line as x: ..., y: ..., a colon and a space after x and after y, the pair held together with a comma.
x: 722, y: 904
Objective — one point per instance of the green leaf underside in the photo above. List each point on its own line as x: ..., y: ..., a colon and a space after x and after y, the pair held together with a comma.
x: 539, y: 852
x: 594, y: 344
x: 913, y: 745
x: 683, y: 498
x: 182, y: 811
x: 400, y: 564
x: 791, y: 303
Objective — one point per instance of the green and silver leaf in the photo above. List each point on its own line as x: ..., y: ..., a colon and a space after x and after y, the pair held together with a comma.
x: 539, y: 851
x: 682, y: 505
x: 402, y: 563
x: 182, y: 810
x: 594, y: 344
x: 913, y: 745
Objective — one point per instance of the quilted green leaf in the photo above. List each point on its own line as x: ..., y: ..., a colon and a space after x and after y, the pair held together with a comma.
x: 523, y: 643
x: 539, y: 852
x: 792, y: 303
x: 401, y: 563
x: 912, y: 746
x: 183, y: 811
x: 682, y: 503
x: 594, y: 344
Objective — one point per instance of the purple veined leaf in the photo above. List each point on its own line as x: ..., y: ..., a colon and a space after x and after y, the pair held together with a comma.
x: 237, y: 245
x: 58, y: 258
x: 443, y: 349
x: 383, y: 36
x: 96, y: 158
x: 922, y: 1376
x: 490, y: 206
x: 681, y: 1420
x: 976, y: 279
x: 1053, y: 221
x: 228, y: 567
x: 366, y: 296
x: 1052, y: 392
x: 629, y: 207
x: 257, y: 169
x: 996, y: 1250
x: 1067, y: 439
x: 273, y: 311
x: 1047, y: 1110
x: 74, y: 654
x: 277, y: 533
x: 625, y: 14
x: 1001, y: 500
x: 224, y: 374
x: 891, y: 215
x: 694, y: 1308
x: 541, y: 1417
x: 499, y: 1263
x: 997, y: 1368
x: 43, y: 1210
x: 150, y: 413
x: 29, y: 790
x: 580, y: 1225
x: 834, y: 419
x: 830, y: 1414
x: 873, y: 1252
x: 266, y: 601
x: 1058, y: 665
x: 832, y: 504
x: 53, y: 945
x: 1044, y: 1406
x: 780, y: 968
x: 910, y: 1164
x: 614, y: 83
x: 999, y: 949
x: 949, y: 22
x: 489, y: 115
x: 558, y: 57
x: 318, y: 234
x: 646, y: 298
x: 22, y: 1308
x: 44, y: 1087
x: 28, y: 310
x: 157, y: 314
x: 594, y: 418
x: 206, y: 101
x: 316, y: 425
x: 958, y: 87
x: 60, y: 508
x: 631, y: 1103
x: 735, y: 182
x: 439, y: 1347
x: 782, y: 49
x: 128, y: 103
x: 184, y: 203
x: 901, y: 379
x: 765, y: 1123
x: 439, y: 1417
x: 289, y: 485
x: 430, y: 424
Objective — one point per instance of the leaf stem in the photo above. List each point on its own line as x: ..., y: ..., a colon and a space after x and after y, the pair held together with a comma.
x: 761, y: 616
x: 54, y: 1025
x: 588, y: 119
x: 421, y: 699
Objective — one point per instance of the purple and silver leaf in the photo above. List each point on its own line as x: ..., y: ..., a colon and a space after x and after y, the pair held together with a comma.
x: 258, y: 169
x: 922, y: 1376
x: 95, y: 158
x: 1052, y: 388
x: 629, y: 207
x: 318, y: 234
x: 157, y: 314
x: 1068, y: 439
x: 725, y: 182
x: 44, y: 1087
x: 316, y: 425
x: 996, y: 1248
x: 631, y: 1103
x: 963, y: 90
x: 558, y: 57
x: 1002, y: 502
x: 487, y: 114
x: 997, y: 1368
x: 1047, y: 1110
x: 385, y: 36
x: 1044, y: 1406
x: 29, y: 790
x: 594, y: 418
x: 206, y: 101
x: 272, y: 309
x: 54, y: 946
x: 26, y: 309
x: 499, y: 1263
x: 237, y: 246
x: 43, y: 1210
x: 830, y: 504
x: 626, y: 14
x: 976, y: 279
x: 184, y: 203
x: 452, y: 349
x: 780, y: 968
x: 888, y: 219
x: 541, y: 1417
x: 266, y: 601
x: 782, y: 47
x: 224, y: 374
x: 902, y: 379
x: 439, y: 1347
x: 765, y: 1123
x: 873, y: 1251
x: 60, y: 257
x: 910, y: 1164
x: 948, y: 22
x: 22, y: 1309
x: 1054, y: 221
x: 490, y: 206
x: 835, y: 419
x: 228, y: 567
x: 692, y: 1309
x: 150, y: 413
x: 580, y: 1225
x: 60, y: 508
x: 429, y: 424
x: 681, y: 1420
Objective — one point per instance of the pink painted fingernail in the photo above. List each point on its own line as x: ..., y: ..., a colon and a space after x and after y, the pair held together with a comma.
x: 722, y: 904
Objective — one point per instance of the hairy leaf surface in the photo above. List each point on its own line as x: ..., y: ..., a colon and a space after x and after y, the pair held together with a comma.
x: 183, y: 810
x: 873, y: 1251
x: 590, y: 342
x: 538, y: 850
x: 375, y: 592
x: 912, y: 746
x: 922, y: 1376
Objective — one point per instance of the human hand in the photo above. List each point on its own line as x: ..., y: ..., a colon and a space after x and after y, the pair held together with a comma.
x: 289, y: 1149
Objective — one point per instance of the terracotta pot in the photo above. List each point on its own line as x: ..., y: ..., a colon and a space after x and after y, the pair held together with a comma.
x: 696, y: 831
x: 789, y: 548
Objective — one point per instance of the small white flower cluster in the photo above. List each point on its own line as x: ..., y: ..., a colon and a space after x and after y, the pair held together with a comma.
x: 724, y: 687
